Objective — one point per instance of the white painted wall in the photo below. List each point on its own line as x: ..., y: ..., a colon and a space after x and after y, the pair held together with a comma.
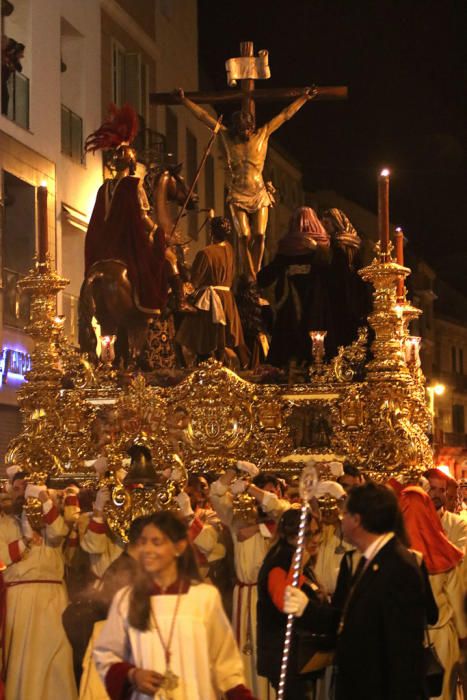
x: 76, y: 184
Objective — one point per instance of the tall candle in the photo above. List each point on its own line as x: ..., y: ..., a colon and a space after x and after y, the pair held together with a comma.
x: 399, y: 241
x: 383, y: 210
x: 399, y: 245
x: 43, y: 247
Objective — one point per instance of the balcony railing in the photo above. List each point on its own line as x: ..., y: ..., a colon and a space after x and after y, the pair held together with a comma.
x: 18, y: 99
x: 16, y: 302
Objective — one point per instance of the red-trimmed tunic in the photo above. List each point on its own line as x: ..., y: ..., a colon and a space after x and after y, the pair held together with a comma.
x: 222, y: 649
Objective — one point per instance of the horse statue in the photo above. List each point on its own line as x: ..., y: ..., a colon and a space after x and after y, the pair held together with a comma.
x: 107, y: 294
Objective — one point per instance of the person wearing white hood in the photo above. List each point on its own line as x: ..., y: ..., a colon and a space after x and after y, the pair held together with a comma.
x: 96, y: 539
x: 37, y: 657
x: 251, y: 542
x: 330, y: 497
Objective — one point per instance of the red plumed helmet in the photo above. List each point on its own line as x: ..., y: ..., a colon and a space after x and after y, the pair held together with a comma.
x: 119, y: 128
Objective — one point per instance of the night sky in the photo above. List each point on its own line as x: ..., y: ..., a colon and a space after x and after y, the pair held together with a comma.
x: 405, y: 64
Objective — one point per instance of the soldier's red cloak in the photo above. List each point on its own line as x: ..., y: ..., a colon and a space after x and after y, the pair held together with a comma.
x: 122, y: 236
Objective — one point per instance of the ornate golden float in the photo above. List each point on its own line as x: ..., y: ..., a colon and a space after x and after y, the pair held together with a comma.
x: 370, y: 411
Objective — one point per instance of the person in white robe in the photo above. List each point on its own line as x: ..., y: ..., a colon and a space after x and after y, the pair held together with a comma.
x: 37, y: 655
x: 167, y: 636
x: 96, y: 539
x: 455, y: 527
x: 330, y: 495
x: 444, y: 563
x: 251, y: 543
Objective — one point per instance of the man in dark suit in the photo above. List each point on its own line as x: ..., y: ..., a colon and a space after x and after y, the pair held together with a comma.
x: 380, y: 639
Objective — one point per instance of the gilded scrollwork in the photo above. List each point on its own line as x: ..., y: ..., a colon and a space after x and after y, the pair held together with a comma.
x: 372, y: 412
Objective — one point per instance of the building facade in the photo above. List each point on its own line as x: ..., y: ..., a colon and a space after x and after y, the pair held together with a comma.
x: 50, y: 98
x: 152, y: 47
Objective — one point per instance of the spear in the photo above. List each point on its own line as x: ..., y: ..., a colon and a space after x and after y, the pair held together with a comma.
x: 198, y: 173
x: 308, y: 482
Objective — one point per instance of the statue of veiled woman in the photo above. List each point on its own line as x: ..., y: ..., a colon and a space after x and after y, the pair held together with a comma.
x: 301, y: 273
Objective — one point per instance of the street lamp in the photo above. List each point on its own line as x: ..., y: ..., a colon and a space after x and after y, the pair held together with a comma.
x: 432, y: 391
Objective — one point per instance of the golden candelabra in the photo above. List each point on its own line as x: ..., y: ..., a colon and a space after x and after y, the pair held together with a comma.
x: 43, y: 379
x: 386, y: 319
x: 35, y: 448
x: 397, y: 443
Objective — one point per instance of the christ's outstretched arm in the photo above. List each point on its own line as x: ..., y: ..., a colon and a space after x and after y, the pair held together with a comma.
x: 291, y: 110
x: 200, y: 113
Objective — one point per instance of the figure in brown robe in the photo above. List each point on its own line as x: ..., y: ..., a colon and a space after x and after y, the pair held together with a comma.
x: 216, y: 325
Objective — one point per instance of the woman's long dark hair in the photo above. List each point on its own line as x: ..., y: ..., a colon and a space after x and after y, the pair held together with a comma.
x: 175, y: 529
x: 287, y: 528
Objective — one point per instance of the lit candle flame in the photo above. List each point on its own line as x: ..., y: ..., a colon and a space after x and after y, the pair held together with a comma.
x: 43, y: 183
x: 385, y: 172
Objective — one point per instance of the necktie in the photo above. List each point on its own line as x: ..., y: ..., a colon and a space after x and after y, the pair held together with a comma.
x: 353, y: 584
x: 359, y: 570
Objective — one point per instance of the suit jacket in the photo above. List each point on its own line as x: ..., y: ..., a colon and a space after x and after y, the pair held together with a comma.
x: 380, y: 645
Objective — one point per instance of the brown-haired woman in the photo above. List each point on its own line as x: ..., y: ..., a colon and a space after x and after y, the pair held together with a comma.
x: 309, y: 606
x: 168, y: 636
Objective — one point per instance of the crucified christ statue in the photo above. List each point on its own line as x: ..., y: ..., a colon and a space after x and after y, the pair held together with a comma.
x: 245, y: 150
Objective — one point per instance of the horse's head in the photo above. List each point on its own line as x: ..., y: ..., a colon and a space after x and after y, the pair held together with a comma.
x: 164, y: 184
x: 177, y: 189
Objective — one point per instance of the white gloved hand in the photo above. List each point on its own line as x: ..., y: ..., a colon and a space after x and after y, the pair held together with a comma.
x: 238, y: 486
x: 71, y: 490
x: 176, y: 474
x: 102, y: 497
x: 337, y: 469
x: 211, y: 518
x: 184, y: 504
x: 248, y: 467
x: 100, y: 465
x: 330, y: 488
x: 295, y: 601
x: 12, y: 470
x: 26, y: 527
x: 121, y: 474
x: 34, y: 490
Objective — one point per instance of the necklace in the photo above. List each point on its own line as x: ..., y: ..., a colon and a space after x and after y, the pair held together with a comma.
x: 171, y: 680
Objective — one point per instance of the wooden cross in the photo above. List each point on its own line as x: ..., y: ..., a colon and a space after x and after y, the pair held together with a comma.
x: 248, y: 94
